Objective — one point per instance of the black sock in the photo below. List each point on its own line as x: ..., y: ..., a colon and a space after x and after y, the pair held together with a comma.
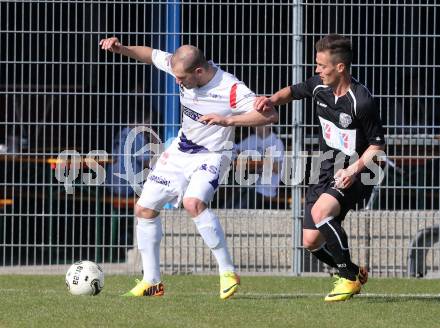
x: 337, y: 245
x: 355, y: 268
x: 323, y: 254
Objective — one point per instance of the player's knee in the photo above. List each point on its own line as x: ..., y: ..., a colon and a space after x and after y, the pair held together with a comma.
x: 310, y: 243
x: 145, y: 213
x: 193, y: 206
x: 318, y: 213
x: 312, y: 239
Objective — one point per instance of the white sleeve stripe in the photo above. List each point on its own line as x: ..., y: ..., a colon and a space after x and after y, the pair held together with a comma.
x: 354, y: 100
x: 319, y: 86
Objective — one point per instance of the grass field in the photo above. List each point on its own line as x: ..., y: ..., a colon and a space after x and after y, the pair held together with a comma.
x: 192, y: 301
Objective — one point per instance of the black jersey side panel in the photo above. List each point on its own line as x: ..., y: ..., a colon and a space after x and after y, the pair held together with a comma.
x: 368, y: 115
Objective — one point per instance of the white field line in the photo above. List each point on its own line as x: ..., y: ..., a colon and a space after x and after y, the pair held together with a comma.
x: 256, y: 295
x: 311, y: 295
x: 362, y: 295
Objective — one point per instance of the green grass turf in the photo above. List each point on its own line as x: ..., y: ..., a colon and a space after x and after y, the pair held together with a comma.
x: 192, y: 301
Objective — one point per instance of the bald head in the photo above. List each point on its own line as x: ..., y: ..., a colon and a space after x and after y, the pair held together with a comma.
x: 189, y: 58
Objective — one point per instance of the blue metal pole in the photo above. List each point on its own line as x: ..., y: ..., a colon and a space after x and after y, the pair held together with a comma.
x: 172, y: 113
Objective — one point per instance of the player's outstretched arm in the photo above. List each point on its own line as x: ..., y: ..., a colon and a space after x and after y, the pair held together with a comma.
x: 141, y: 53
x: 252, y: 118
x: 279, y: 98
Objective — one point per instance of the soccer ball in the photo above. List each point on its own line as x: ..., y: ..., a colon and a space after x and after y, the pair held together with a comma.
x: 85, y: 278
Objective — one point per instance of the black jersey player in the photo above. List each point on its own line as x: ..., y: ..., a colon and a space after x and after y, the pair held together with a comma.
x: 350, y: 128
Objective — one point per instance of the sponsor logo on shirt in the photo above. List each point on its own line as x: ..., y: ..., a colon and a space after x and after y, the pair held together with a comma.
x: 214, y: 95
x: 327, y: 131
x: 321, y: 104
x: 191, y: 114
x: 159, y: 180
x: 344, y: 139
x: 341, y: 139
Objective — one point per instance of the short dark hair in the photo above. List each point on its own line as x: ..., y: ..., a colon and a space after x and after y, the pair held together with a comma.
x: 339, y: 48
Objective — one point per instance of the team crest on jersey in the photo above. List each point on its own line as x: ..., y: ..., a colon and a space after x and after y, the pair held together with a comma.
x: 344, y: 120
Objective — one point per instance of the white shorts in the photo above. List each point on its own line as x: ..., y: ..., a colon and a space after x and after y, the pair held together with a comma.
x: 179, y: 175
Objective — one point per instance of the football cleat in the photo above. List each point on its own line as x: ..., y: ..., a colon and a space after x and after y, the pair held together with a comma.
x: 343, y: 290
x: 229, y: 282
x: 362, y: 276
x: 143, y: 288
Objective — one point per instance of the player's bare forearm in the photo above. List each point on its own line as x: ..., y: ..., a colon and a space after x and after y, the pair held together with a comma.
x: 367, y: 157
x: 281, y: 97
x: 141, y: 53
x: 253, y: 118
x: 264, y: 104
x: 344, y: 178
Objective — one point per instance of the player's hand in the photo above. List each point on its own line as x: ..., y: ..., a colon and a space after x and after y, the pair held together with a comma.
x: 263, y: 104
x: 343, y: 179
x: 111, y: 44
x: 214, y: 119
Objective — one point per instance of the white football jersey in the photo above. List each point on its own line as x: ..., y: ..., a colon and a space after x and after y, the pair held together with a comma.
x: 224, y: 95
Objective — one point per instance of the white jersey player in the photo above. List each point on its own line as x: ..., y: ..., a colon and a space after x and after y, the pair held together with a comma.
x: 212, y: 103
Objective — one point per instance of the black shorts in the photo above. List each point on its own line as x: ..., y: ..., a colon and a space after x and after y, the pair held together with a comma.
x: 354, y: 197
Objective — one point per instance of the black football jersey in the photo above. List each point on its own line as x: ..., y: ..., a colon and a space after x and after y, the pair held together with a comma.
x: 348, y: 124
